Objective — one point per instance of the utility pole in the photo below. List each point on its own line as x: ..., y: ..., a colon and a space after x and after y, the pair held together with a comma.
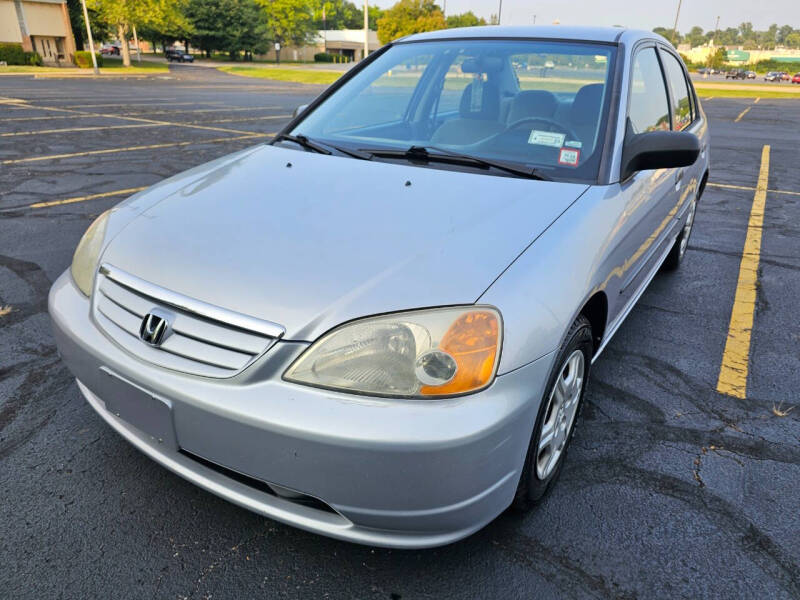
x: 136, y: 41
x: 716, y: 30
x: 499, y: 10
x: 366, y: 29
x: 675, y: 27
x: 534, y: 19
x: 91, y: 41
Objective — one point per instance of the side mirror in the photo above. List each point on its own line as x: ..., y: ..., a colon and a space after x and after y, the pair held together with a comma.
x: 658, y: 150
x: 299, y: 109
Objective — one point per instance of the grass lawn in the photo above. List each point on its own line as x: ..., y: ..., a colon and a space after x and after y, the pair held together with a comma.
x: 296, y: 75
x: 110, y: 66
x: 721, y: 92
x: 115, y: 65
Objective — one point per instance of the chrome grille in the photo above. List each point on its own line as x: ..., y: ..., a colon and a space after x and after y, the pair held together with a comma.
x: 205, y: 339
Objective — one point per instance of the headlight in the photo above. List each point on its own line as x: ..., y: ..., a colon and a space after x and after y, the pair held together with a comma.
x: 84, y: 262
x: 439, y: 352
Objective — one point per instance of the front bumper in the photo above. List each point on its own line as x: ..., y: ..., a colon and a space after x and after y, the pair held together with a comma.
x: 397, y: 473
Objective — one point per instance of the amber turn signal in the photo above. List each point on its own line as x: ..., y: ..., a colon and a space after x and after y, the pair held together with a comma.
x: 473, y: 341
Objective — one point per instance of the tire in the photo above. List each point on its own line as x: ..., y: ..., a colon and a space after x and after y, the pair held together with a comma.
x: 543, y: 463
x: 675, y: 256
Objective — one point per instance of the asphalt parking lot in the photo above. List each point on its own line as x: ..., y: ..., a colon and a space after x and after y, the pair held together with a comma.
x: 671, y: 489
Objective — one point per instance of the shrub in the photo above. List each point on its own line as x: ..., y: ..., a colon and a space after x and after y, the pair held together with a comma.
x: 775, y: 65
x: 12, y: 53
x: 33, y: 59
x: 83, y: 59
x: 323, y: 57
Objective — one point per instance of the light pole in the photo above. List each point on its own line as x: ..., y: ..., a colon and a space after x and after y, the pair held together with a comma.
x: 91, y: 41
x: 499, y: 11
x: 366, y: 29
x: 675, y: 27
x: 136, y: 41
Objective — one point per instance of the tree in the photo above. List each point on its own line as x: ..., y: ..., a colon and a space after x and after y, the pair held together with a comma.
x: 409, y: 16
x: 793, y: 40
x: 232, y: 26
x: 288, y: 21
x: 374, y: 14
x: 100, y: 28
x: 123, y: 15
x: 172, y: 24
x: 695, y: 37
x: 339, y: 14
x: 467, y: 19
x: 783, y: 32
x: 718, y: 59
x: 669, y: 34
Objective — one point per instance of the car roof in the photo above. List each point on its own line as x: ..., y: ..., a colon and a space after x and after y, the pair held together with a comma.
x: 555, y: 32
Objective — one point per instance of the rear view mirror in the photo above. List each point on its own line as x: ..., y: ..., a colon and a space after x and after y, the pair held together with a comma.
x: 299, y: 109
x: 658, y: 150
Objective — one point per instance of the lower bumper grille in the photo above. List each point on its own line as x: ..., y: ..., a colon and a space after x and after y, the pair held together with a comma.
x: 262, y: 486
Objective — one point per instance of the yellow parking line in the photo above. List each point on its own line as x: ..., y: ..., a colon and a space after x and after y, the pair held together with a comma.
x: 205, y: 110
x: 84, y: 198
x: 756, y: 100
x: 142, y: 120
x: 735, y: 359
x: 71, y: 129
x: 48, y: 117
x: 133, y: 148
x: 741, y: 114
x: 244, y: 119
x: 728, y: 186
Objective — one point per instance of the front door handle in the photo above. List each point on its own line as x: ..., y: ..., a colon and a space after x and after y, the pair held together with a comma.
x: 678, y: 179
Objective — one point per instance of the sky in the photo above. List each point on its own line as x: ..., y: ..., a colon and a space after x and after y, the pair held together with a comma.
x: 638, y: 14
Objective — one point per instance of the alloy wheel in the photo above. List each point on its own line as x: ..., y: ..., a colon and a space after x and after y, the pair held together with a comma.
x: 562, y: 405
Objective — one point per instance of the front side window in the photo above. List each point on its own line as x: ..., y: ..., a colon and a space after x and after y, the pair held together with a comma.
x: 681, y: 105
x: 647, y: 107
x: 538, y: 105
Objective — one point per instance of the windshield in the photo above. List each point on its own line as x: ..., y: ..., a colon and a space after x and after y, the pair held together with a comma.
x: 537, y: 104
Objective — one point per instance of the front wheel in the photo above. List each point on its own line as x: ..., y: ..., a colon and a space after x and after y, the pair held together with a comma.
x: 556, y: 420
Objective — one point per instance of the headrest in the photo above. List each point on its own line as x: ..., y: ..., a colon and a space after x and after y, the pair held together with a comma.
x: 480, y: 100
x: 586, y: 105
x: 532, y: 103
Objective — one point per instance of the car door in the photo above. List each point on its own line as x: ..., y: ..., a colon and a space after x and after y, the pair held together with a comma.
x: 685, y: 117
x: 648, y: 196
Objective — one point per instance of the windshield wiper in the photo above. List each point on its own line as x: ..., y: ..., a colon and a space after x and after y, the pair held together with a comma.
x: 319, y: 147
x: 424, y: 153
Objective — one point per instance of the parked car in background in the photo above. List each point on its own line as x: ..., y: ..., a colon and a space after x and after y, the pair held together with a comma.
x: 110, y: 50
x: 750, y: 74
x: 173, y: 55
x: 796, y: 78
x: 704, y: 71
x: 380, y: 325
x: 735, y: 74
x: 785, y: 76
x: 772, y: 76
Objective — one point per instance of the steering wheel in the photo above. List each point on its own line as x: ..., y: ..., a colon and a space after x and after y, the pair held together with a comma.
x: 551, y: 126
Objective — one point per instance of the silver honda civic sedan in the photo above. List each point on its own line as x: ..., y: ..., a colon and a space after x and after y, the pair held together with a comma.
x: 379, y: 326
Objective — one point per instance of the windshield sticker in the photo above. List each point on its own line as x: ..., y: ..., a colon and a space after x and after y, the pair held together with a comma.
x: 569, y: 157
x: 546, y: 138
x: 573, y: 144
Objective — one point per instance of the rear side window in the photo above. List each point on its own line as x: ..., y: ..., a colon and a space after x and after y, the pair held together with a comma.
x: 681, y: 106
x: 648, y: 109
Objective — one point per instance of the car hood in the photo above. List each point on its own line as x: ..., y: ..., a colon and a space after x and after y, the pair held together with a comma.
x: 309, y: 241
